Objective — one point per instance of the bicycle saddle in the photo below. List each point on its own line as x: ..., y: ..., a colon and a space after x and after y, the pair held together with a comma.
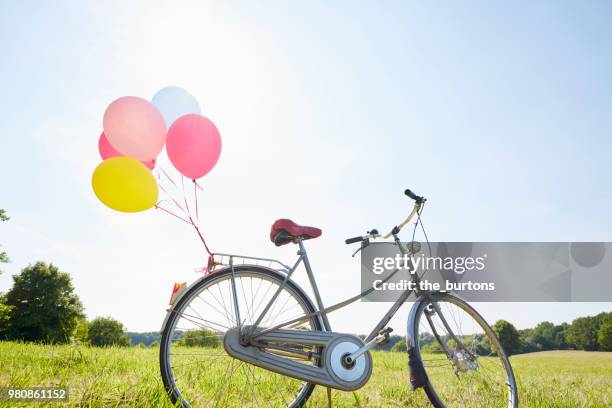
x: 285, y: 231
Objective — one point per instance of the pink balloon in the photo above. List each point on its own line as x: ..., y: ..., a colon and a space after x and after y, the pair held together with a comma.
x: 135, y: 128
x: 193, y: 145
x: 107, y: 151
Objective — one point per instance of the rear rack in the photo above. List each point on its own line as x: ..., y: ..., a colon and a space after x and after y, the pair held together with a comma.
x: 220, y: 259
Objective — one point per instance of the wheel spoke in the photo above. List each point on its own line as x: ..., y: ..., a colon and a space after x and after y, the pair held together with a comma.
x: 470, y: 376
x: 198, y: 368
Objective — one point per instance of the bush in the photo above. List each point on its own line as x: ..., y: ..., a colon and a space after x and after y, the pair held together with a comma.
x: 434, y: 348
x: 400, y: 347
x: 106, y: 331
x: 5, y: 312
x: 145, y: 338
x: 200, y: 338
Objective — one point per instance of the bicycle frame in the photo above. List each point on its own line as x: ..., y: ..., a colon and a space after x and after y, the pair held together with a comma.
x: 322, y: 311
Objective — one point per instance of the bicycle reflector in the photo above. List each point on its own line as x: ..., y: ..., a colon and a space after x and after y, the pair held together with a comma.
x: 177, y: 291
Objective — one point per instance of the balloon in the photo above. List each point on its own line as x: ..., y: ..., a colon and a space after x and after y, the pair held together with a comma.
x: 174, y: 102
x: 135, y: 128
x: 193, y: 145
x: 124, y: 184
x: 107, y: 151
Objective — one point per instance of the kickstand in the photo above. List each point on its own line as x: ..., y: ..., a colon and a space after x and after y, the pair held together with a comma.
x: 329, y: 399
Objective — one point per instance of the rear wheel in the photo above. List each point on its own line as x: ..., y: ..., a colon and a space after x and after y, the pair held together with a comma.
x: 465, y: 363
x: 195, y: 368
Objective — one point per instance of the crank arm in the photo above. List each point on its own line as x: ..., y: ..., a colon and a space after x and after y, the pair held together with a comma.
x: 382, y: 337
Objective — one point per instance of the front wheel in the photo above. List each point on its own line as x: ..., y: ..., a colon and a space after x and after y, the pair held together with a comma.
x: 464, y: 362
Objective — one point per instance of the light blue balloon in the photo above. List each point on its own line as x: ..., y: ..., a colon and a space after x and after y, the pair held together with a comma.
x: 174, y: 102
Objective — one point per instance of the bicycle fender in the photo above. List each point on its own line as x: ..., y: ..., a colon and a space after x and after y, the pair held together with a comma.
x: 238, y: 267
x: 418, y: 376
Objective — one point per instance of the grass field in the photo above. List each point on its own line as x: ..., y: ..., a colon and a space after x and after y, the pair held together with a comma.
x: 129, y: 377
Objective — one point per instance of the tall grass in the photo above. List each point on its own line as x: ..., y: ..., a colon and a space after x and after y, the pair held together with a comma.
x: 129, y: 377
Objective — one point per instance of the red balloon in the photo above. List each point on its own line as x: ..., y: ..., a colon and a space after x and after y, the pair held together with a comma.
x: 107, y: 151
x: 193, y: 145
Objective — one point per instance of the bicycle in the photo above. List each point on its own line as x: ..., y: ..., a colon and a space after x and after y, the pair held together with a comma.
x: 247, y: 335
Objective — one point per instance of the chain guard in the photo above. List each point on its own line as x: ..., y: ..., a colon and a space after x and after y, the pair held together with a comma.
x: 329, y: 373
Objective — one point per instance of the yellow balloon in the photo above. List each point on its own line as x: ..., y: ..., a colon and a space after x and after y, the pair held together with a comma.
x: 124, y: 184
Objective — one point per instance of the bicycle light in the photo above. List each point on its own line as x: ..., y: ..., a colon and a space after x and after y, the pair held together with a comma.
x: 177, y: 290
x: 414, y: 247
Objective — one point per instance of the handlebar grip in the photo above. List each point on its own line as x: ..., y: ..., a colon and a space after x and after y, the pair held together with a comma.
x: 353, y: 240
x: 415, y: 197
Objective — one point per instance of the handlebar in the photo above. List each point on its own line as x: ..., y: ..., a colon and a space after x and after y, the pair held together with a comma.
x: 353, y: 240
x: 373, y: 234
x: 418, y: 202
x: 415, y: 197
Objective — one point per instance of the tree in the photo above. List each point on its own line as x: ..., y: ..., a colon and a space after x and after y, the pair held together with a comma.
x: 81, y: 333
x: 508, y: 337
x: 3, y: 255
x: 400, y: 347
x: 604, y: 337
x: 560, y: 332
x: 583, y: 333
x: 528, y: 342
x: 603, y: 318
x: 200, y: 338
x: 106, y: 331
x: 544, y: 335
x: 43, y: 305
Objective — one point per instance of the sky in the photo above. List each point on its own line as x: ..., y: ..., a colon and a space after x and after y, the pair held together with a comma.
x: 500, y: 114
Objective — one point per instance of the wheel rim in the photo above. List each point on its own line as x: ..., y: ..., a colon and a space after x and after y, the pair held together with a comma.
x: 199, y: 370
x: 471, y: 372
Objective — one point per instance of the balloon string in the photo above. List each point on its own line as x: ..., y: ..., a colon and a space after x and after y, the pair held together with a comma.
x: 188, y: 212
x: 201, y: 236
x: 185, y: 196
x: 171, y: 213
x: 161, y: 186
x: 195, y: 194
x: 199, y: 186
x: 170, y: 196
x: 167, y: 176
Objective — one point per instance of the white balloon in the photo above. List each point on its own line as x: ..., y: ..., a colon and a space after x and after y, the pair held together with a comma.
x: 174, y: 102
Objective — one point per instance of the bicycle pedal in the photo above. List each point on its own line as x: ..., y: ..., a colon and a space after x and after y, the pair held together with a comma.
x: 383, y: 342
x: 383, y: 336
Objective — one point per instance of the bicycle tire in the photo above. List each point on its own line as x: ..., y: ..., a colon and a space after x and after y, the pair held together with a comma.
x: 429, y: 387
x: 165, y: 368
